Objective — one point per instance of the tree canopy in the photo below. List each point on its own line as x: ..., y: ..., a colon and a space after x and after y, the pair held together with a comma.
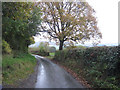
x: 69, y: 21
x: 20, y: 22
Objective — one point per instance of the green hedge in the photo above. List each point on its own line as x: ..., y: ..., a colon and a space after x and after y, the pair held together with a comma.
x: 99, y: 65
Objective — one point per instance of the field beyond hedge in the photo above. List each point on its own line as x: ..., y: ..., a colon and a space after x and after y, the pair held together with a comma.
x: 100, y: 66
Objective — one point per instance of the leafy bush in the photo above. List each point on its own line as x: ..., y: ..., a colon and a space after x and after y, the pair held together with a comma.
x: 44, y: 49
x: 99, y: 65
x: 6, y: 47
x: 44, y: 46
x: 42, y: 52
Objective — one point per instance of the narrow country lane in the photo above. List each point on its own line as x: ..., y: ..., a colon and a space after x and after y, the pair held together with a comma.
x: 51, y: 75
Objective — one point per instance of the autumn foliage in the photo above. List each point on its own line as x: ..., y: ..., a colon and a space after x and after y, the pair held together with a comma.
x: 69, y: 22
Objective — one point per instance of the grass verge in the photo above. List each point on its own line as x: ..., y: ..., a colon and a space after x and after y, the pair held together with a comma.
x: 52, y: 54
x: 15, y: 69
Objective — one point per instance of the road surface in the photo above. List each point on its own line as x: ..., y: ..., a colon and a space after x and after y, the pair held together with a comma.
x: 51, y: 75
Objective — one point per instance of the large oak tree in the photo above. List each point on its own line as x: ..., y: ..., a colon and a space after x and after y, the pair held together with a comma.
x: 69, y: 21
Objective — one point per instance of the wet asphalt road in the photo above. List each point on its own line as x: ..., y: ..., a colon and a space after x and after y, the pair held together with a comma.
x: 51, y: 75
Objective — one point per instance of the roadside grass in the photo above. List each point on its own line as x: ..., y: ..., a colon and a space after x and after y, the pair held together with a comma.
x: 52, y: 54
x: 15, y: 69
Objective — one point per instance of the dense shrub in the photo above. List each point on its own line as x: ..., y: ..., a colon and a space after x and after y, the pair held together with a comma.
x: 42, y: 50
x: 100, y: 65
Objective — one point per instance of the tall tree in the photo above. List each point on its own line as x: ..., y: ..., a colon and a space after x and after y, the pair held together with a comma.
x: 20, y: 22
x: 69, y: 21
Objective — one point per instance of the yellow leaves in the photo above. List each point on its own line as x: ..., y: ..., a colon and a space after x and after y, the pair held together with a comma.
x: 32, y: 40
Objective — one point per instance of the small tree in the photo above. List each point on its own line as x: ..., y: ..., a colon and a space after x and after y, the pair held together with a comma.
x: 44, y: 46
x: 44, y: 49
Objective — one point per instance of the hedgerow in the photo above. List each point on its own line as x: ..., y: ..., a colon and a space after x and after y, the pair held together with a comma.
x: 100, y: 66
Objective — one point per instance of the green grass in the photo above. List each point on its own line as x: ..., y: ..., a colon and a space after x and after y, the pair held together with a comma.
x: 15, y: 69
x: 52, y: 54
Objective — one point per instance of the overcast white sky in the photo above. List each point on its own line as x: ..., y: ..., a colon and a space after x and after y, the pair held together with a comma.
x: 107, y: 16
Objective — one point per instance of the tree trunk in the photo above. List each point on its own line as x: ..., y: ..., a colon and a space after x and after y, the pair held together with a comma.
x: 61, y: 45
